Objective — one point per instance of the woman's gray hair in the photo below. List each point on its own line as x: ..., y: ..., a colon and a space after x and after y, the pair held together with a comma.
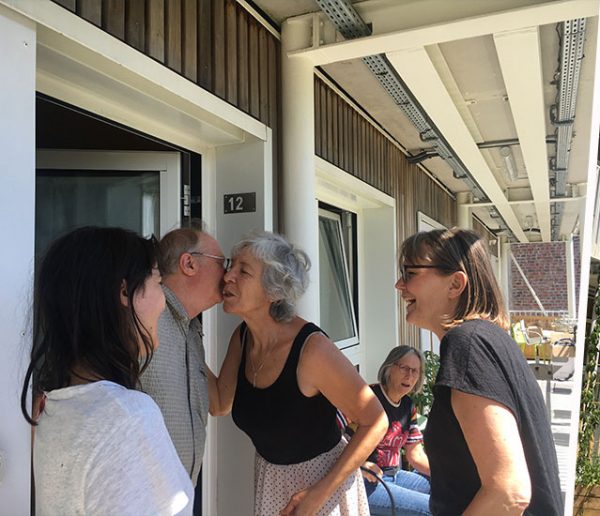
x: 285, y: 274
x: 396, y: 354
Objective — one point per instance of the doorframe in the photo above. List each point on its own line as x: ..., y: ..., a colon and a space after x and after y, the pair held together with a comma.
x: 168, y: 164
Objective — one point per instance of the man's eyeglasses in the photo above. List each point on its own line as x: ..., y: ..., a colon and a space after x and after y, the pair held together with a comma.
x: 408, y: 370
x: 404, y: 268
x: 226, y: 261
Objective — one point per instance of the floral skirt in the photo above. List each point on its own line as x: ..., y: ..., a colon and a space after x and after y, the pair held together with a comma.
x: 275, y: 484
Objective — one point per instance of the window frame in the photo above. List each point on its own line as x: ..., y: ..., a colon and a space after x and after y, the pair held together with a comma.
x: 350, y: 342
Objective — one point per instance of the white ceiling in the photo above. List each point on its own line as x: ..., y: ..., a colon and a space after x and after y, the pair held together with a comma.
x: 483, y: 72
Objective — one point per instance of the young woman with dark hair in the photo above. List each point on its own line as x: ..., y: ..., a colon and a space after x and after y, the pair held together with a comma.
x: 101, y: 447
x: 488, y: 437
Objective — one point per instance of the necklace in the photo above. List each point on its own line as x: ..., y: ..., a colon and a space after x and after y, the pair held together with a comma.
x: 256, y: 370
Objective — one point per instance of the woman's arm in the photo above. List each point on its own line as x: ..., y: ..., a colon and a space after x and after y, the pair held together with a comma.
x: 492, y: 435
x: 323, y: 368
x: 415, y: 454
x: 221, y: 389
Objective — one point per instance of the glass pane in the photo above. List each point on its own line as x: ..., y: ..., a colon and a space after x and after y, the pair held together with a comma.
x: 336, y: 306
x: 66, y: 200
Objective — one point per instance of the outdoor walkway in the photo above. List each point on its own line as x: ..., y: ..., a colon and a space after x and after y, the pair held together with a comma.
x: 560, y: 397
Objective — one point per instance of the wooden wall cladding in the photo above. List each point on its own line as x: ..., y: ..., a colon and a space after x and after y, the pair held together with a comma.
x: 345, y: 138
x: 482, y: 230
x: 214, y: 43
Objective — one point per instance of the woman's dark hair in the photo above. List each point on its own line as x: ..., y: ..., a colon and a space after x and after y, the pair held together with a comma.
x: 80, y: 323
x: 452, y: 250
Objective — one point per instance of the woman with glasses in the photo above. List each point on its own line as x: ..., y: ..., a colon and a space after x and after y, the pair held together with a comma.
x: 400, y: 374
x: 101, y: 447
x: 488, y: 437
x: 288, y: 379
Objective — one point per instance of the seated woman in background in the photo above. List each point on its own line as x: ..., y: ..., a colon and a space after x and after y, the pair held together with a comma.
x: 101, y: 447
x: 400, y: 374
x: 288, y: 379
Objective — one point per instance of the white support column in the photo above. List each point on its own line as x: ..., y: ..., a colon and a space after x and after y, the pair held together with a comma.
x: 465, y: 220
x: 505, y: 269
x: 570, y: 260
x: 299, y: 204
x: 17, y: 210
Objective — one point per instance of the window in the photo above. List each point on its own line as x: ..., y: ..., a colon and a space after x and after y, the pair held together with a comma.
x: 336, y: 294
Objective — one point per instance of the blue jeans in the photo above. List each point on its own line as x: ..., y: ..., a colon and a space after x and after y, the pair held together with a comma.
x: 410, y: 492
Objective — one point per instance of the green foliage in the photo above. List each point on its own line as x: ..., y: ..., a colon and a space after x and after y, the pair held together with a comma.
x: 588, y: 462
x: 424, y: 399
x: 588, y: 473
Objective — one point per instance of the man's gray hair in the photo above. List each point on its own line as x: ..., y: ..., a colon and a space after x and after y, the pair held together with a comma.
x: 396, y: 354
x: 285, y: 274
x: 177, y: 242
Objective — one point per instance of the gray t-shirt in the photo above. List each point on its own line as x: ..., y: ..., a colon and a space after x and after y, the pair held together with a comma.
x: 102, y: 449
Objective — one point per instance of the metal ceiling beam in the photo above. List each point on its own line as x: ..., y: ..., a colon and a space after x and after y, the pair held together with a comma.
x: 392, y: 30
x: 418, y: 72
x: 519, y: 55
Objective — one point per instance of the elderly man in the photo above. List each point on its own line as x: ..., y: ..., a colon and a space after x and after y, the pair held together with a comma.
x: 192, y: 267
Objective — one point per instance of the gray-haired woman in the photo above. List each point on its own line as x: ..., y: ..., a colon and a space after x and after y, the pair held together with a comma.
x: 400, y: 374
x: 288, y: 379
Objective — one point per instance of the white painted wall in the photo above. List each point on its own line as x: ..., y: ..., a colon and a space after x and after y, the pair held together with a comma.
x: 378, y: 298
x: 377, y: 255
x: 237, y: 168
x: 17, y: 197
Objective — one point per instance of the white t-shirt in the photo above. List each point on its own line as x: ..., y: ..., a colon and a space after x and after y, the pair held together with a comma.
x: 102, y: 449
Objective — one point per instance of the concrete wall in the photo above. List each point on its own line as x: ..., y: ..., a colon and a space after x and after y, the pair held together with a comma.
x: 17, y: 198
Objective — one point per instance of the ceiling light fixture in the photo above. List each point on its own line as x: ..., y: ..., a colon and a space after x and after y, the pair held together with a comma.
x: 509, y: 163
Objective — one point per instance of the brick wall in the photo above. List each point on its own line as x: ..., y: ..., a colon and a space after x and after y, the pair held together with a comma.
x: 544, y: 265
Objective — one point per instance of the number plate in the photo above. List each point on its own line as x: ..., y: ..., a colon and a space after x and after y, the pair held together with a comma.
x: 239, y: 202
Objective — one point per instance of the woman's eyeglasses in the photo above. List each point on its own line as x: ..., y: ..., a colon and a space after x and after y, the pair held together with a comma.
x: 408, y: 370
x: 226, y: 261
x: 404, y: 268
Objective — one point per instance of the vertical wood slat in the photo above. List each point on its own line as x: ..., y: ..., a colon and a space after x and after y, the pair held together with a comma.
x: 173, y: 35
x: 253, y: 68
x: 242, y: 45
x: 190, y: 40
x: 205, y: 71
x: 90, y: 10
x: 329, y: 115
x: 135, y: 24
x: 219, y: 64
x: 231, y: 32
x: 263, y: 76
x: 273, y: 83
x: 348, y: 143
x: 323, y: 95
x: 155, y: 35
x: 341, y: 129
x: 113, y: 18
x: 67, y: 4
x: 317, y: 108
x: 355, y: 143
x: 335, y: 144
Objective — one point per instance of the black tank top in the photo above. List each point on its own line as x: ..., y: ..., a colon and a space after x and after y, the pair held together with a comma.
x: 285, y: 426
